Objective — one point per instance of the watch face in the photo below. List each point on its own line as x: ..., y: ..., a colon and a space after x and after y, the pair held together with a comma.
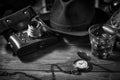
x: 82, y: 64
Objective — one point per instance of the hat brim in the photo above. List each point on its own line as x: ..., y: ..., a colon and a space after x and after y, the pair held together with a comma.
x: 98, y: 18
x: 80, y: 33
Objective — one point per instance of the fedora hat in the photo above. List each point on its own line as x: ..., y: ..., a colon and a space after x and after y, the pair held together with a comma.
x: 72, y: 17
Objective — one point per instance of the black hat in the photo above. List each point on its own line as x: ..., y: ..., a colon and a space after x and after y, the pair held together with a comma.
x: 72, y: 17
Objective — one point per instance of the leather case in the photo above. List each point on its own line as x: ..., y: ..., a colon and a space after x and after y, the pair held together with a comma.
x: 17, y: 20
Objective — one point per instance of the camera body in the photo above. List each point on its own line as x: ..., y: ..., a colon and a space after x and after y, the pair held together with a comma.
x: 25, y: 32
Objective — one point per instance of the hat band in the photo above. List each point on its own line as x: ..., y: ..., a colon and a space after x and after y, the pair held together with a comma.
x: 69, y: 28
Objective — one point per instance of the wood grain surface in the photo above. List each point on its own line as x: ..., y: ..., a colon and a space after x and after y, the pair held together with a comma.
x: 39, y: 63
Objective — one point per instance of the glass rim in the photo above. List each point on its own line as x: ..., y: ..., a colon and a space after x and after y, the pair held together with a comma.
x: 93, y: 28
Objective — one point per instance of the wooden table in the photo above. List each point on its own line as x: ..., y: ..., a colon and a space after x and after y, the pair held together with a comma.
x: 63, y: 54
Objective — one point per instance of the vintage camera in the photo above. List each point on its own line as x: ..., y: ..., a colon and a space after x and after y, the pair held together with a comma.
x: 25, y: 32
